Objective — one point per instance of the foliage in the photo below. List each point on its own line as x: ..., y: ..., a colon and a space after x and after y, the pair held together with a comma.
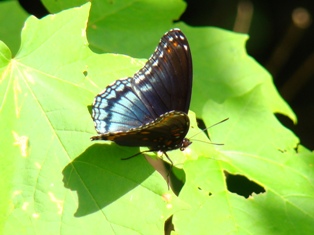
x: 55, y: 179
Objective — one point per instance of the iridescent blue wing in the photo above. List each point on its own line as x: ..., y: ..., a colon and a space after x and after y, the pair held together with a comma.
x: 164, y: 84
x: 119, y: 108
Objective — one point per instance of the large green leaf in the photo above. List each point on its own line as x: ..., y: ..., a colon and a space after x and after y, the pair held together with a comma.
x: 54, y: 179
x: 285, y: 208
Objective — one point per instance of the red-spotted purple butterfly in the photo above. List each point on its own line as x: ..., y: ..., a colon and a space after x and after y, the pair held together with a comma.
x: 150, y: 109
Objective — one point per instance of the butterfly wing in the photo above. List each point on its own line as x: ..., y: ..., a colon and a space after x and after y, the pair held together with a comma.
x: 118, y: 108
x: 164, y: 133
x: 165, y: 82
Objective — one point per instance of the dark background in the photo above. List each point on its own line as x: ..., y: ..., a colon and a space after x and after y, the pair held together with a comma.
x: 281, y: 39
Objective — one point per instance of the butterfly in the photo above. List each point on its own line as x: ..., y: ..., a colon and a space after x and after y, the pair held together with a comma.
x: 150, y: 109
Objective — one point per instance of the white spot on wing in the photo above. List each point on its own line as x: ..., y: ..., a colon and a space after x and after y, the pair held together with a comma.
x: 148, y: 71
x: 155, y: 64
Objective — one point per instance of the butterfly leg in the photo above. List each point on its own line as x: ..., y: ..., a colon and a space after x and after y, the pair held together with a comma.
x: 169, y: 170
x: 127, y: 158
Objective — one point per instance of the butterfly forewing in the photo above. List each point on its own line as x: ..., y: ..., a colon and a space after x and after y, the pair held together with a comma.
x: 165, y: 82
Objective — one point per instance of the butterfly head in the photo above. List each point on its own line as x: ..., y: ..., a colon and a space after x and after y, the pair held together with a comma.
x: 185, y: 143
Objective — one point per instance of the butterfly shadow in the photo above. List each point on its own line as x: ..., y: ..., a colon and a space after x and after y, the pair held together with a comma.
x: 100, y: 177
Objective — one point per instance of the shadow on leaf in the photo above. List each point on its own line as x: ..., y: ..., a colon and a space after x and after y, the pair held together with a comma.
x: 100, y: 177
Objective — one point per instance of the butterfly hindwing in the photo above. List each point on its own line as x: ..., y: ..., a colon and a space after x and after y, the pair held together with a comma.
x: 164, y: 133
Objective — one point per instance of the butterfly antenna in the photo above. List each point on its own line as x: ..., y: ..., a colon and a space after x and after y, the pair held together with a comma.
x: 210, y: 127
x: 207, y: 142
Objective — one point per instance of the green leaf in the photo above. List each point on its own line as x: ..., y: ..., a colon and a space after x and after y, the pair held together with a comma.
x: 57, y: 6
x: 12, y: 18
x: 131, y: 27
x: 285, y: 208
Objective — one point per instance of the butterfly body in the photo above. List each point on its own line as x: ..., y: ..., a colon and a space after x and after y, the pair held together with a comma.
x: 150, y: 109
